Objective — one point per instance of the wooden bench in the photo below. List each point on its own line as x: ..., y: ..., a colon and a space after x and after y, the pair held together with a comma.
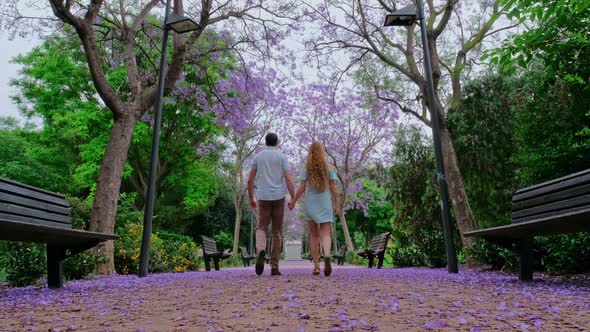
x: 340, y: 255
x: 554, y: 207
x: 378, y: 246
x: 246, y: 257
x: 210, y: 252
x: 30, y: 214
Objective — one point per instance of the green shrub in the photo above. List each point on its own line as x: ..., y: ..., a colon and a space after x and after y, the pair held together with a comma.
x: 181, y: 253
x: 169, y: 252
x: 224, y: 240
x: 405, y: 256
x: 232, y: 261
x: 499, y: 258
x: 566, y: 253
x: 353, y: 258
x: 24, y: 262
x: 81, y: 265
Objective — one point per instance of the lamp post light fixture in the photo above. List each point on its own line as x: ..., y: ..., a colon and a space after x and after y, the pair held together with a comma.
x: 407, y: 16
x: 180, y: 24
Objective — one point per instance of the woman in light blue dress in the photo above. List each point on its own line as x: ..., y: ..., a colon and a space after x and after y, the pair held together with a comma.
x: 318, y: 182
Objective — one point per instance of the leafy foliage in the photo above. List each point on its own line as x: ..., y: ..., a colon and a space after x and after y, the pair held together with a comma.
x: 550, y: 114
x: 169, y: 252
x: 483, y: 132
x: 560, y: 37
x: 509, y: 138
x: 417, y: 228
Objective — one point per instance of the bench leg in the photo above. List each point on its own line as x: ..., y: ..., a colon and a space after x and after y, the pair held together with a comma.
x: 55, y: 266
x: 380, y: 263
x: 525, y: 251
x: 216, y: 263
x: 207, y: 263
x: 371, y: 258
x: 245, y: 262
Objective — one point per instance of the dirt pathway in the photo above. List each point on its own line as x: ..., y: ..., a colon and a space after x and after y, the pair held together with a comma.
x: 352, y: 299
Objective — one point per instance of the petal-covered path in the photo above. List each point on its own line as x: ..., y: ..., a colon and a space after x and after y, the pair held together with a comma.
x: 352, y: 299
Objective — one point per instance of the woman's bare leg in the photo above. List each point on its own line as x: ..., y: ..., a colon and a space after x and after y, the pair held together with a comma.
x: 325, y: 236
x: 314, y: 243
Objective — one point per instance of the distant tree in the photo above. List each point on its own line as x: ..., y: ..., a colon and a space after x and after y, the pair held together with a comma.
x: 355, y: 131
x: 112, y: 25
x: 351, y: 36
x: 248, y: 104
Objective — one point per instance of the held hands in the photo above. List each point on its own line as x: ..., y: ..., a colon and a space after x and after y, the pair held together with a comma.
x: 291, y: 205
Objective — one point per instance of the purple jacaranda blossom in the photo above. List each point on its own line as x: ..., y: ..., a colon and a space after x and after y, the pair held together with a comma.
x: 409, y: 287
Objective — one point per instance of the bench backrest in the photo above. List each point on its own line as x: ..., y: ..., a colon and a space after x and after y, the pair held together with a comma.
x: 379, y: 242
x: 565, y: 195
x: 23, y: 203
x: 244, y: 252
x: 209, y: 245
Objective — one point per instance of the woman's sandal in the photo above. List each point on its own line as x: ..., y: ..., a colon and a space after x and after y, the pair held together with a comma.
x: 316, y: 271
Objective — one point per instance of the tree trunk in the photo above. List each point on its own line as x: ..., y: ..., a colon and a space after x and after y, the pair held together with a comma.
x: 343, y: 198
x: 347, y: 238
x: 237, y: 225
x: 108, y: 184
x: 456, y: 184
x: 238, y: 202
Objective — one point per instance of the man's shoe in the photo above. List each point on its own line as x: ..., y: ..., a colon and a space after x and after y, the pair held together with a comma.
x: 327, y: 266
x: 275, y: 272
x: 260, y: 262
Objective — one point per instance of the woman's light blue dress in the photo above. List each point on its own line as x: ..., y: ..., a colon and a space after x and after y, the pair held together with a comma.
x: 318, y: 204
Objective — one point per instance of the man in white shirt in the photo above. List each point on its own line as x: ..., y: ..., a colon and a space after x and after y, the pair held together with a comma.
x: 268, y: 178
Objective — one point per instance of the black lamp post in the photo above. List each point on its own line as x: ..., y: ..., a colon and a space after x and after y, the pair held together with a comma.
x: 179, y: 24
x: 405, y: 17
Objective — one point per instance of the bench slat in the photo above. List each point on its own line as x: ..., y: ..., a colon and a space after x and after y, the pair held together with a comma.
x: 564, y: 183
x: 379, y: 242
x: 34, y: 221
x: 20, y: 231
x: 28, y: 192
x: 560, y: 206
x: 209, y: 245
x: 34, y: 204
x: 557, y: 196
x: 577, y: 221
x: 549, y: 214
x: 26, y: 186
x: 22, y: 211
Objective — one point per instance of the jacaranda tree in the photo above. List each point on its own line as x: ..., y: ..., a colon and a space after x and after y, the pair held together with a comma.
x: 350, y: 35
x: 248, y: 104
x: 115, y: 25
x: 355, y: 131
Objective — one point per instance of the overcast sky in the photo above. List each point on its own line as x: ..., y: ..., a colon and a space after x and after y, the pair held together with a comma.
x: 8, y: 50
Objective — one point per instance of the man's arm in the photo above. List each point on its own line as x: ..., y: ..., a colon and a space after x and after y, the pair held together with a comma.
x: 251, y: 179
x: 290, y: 186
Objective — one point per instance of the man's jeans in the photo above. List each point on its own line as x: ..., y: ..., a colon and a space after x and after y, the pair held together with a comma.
x: 270, y: 213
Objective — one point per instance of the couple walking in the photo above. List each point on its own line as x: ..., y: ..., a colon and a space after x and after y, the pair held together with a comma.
x: 268, y: 177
